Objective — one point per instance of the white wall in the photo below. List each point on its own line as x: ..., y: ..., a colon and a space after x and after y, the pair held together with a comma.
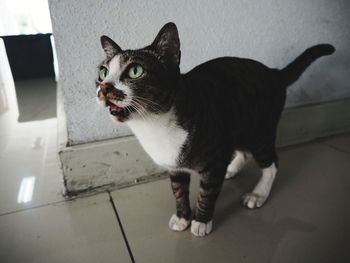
x: 24, y: 17
x: 271, y: 31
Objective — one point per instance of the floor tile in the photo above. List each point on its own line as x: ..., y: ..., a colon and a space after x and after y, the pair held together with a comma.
x: 29, y: 167
x: 341, y: 142
x: 305, y: 220
x: 83, y: 230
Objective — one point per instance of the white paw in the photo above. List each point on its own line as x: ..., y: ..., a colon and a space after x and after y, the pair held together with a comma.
x: 178, y: 223
x: 200, y: 229
x: 252, y: 200
x: 229, y: 175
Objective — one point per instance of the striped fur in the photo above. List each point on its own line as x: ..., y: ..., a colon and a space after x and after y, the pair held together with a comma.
x: 180, y: 184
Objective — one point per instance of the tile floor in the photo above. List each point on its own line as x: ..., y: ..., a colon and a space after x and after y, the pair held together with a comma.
x: 305, y: 220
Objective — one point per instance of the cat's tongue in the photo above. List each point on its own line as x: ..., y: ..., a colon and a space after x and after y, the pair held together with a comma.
x: 114, y: 108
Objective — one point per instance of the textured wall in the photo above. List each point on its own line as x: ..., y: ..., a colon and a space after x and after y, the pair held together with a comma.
x: 271, y: 31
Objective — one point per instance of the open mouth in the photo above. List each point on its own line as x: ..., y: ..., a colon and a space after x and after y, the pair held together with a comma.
x: 119, y: 112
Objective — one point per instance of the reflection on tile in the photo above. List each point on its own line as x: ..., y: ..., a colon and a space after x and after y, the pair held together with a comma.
x: 83, y: 230
x: 25, y: 156
x: 26, y: 189
x: 303, y: 221
x: 36, y: 99
x: 29, y: 149
x: 3, y: 99
x: 5, y: 78
x: 9, y: 110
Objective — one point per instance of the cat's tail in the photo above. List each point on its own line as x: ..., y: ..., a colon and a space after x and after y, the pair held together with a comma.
x: 294, y: 70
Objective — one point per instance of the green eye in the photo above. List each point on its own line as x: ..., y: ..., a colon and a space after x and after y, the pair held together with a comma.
x: 103, y: 73
x: 135, y: 72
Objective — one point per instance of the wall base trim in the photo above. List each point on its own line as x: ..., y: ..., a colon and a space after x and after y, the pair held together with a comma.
x: 122, y: 162
x: 307, y: 123
x: 115, y: 163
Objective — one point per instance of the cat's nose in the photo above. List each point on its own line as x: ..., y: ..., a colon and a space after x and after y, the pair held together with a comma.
x: 106, y: 88
x: 110, y: 92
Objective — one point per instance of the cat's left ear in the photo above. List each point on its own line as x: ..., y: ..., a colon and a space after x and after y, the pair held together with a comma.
x: 167, y: 44
x: 110, y: 47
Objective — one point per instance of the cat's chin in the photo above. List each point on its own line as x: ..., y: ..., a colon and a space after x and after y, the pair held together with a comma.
x: 121, y: 116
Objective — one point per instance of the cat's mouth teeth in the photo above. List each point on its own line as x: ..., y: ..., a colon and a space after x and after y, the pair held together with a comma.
x: 117, y: 111
x: 113, y: 109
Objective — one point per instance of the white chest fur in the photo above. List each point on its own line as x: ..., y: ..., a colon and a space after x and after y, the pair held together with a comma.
x: 161, y: 138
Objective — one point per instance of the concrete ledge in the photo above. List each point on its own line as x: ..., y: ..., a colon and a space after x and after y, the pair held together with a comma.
x: 303, y: 124
x: 122, y: 161
x: 62, y: 140
x: 115, y: 163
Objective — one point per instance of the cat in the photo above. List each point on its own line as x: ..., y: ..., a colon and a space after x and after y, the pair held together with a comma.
x: 207, y: 121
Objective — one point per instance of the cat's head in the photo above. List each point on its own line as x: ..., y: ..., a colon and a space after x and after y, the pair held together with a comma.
x: 134, y: 83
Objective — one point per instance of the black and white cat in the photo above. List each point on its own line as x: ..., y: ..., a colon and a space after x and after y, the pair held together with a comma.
x: 204, y: 122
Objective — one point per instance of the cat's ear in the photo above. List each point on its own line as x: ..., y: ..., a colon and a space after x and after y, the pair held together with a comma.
x: 110, y: 47
x: 167, y: 44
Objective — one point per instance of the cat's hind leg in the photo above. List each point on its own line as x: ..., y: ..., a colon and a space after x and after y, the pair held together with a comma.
x: 180, y: 182
x: 262, y: 190
x: 266, y: 157
x: 239, y: 159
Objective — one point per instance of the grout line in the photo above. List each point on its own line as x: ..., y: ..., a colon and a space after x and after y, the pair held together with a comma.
x: 334, y: 147
x: 121, y: 227
x: 34, y: 207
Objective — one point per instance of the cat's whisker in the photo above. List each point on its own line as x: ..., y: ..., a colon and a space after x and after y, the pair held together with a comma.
x: 148, y: 102
x: 145, y: 100
x: 143, y: 110
x: 150, y: 106
x: 139, y: 112
x: 88, y: 103
x: 84, y: 117
x: 90, y: 100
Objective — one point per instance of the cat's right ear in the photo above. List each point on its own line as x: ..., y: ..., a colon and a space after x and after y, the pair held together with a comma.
x: 110, y: 47
x: 167, y: 44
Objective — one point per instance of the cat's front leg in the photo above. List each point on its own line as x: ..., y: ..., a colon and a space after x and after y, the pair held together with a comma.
x: 180, y: 182
x: 210, y: 187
